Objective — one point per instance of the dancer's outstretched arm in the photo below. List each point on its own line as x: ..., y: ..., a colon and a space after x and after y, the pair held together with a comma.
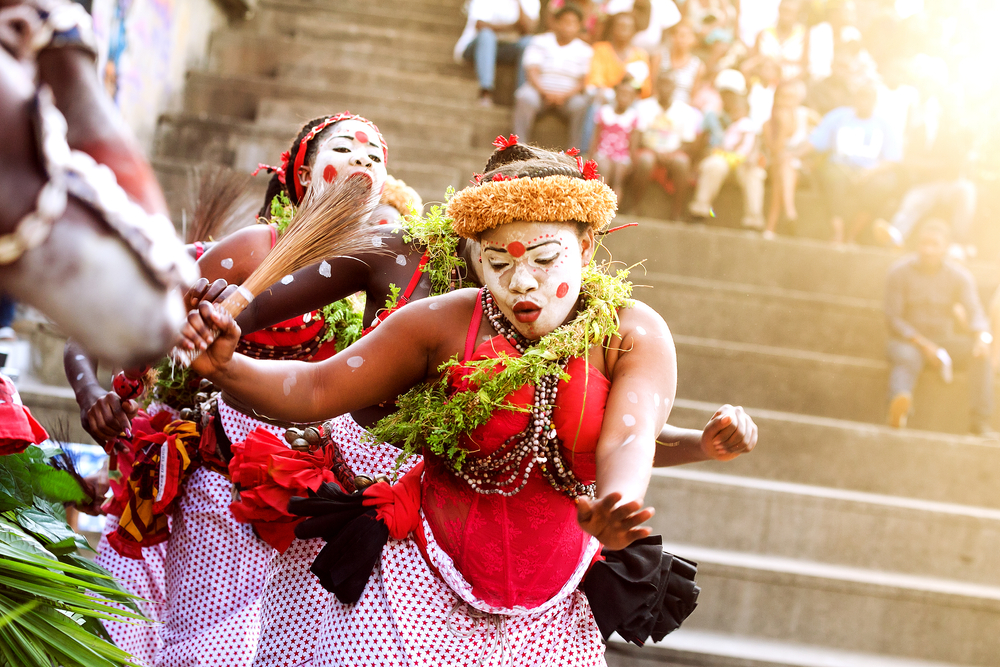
x: 728, y: 434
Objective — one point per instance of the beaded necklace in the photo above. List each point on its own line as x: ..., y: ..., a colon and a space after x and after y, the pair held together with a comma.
x: 506, y: 471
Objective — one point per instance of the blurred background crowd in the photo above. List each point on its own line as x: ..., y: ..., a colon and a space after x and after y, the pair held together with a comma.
x: 882, y: 110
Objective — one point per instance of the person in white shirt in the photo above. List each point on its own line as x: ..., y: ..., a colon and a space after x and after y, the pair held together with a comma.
x: 556, y: 65
x: 497, y: 31
x: 667, y: 126
x: 736, y: 152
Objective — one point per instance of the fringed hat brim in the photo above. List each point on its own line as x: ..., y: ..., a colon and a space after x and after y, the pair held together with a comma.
x: 545, y: 199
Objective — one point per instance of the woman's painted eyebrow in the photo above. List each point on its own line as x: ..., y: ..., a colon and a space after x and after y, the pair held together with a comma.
x: 531, y: 247
x: 347, y: 136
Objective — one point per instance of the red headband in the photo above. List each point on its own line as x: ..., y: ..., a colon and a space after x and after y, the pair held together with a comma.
x: 300, y: 156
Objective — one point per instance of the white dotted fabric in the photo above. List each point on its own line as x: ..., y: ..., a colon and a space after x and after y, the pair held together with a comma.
x: 293, y: 602
x: 214, y: 574
x: 408, y: 616
x: 144, y: 578
x: 238, y: 425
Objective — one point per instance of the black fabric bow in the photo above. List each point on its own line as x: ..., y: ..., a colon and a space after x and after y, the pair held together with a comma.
x: 354, y: 539
x: 641, y: 591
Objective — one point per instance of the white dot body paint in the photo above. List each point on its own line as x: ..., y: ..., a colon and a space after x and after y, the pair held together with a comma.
x: 227, y: 263
x: 628, y: 419
x: 324, y: 269
x: 80, y: 357
x: 377, y: 241
x: 288, y: 384
x: 642, y: 332
x: 628, y: 439
x: 307, y: 318
x: 287, y: 279
x: 355, y: 362
x: 632, y: 398
x: 401, y: 260
x: 79, y: 377
x: 434, y: 306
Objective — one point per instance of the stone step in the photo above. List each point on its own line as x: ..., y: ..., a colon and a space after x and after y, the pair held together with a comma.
x: 700, y: 648
x: 240, y: 96
x: 812, y: 383
x: 698, y: 251
x: 243, y: 145
x: 295, y: 36
x: 850, y: 609
x: 772, y: 316
x: 867, y: 458
x: 831, y: 526
x: 423, y: 18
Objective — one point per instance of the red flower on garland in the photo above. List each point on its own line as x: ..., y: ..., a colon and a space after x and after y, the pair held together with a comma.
x: 502, y: 177
x: 589, y: 171
x: 477, y: 179
x: 502, y: 143
x: 573, y: 152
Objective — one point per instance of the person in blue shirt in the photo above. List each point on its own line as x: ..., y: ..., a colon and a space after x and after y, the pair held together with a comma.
x: 859, y: 174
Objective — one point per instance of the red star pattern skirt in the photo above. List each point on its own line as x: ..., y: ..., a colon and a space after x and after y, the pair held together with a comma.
x: 293, y: 602
x: 144, y: 578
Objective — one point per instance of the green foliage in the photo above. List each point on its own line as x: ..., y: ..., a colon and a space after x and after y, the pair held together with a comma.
x: 282, y: 212
x: 431, y: 418
x: 51, y: 599
x: 434, y: 232
x: 27, y: 475
x: 175, y: 386
x: 393, y: 299
x: 344, y: 322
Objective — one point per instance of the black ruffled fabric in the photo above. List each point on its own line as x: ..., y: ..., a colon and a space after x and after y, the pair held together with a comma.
x: 641, y: 591
x: 354, y: 539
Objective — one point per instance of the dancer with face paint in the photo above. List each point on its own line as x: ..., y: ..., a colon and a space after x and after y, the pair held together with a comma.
x: 206, y: 580
x: 493, y: 533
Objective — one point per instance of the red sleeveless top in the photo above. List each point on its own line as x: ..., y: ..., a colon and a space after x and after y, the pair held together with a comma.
x: 518, y: 550
x: 297, y: 338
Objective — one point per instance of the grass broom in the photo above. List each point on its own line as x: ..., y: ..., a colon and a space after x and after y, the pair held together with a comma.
x: 326, y: 225
x: 223, y: 205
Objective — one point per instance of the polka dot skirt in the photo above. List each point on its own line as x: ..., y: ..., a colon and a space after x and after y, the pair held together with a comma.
x: 293, y: 602
x: 144, y: 578
x: 215, y: 570
x: 408, y: 615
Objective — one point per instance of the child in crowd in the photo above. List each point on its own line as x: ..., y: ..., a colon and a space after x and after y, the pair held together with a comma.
x: 785, y: 135
x: 734, y: 151
x: 614, y: 124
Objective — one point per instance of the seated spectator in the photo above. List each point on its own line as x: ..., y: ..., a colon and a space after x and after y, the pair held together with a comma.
x: 676, y: 60
x: 921, y: 293
x: 784, y: 43
x: 653, y: 17
x: 497, y: 31
x: 667, y: 129
x: 936, y: 164
x: 591, y: 21
x: 556, y: 65
x: 764, y: 82
x: 733, y: 138
x: 859, y: 174
x: 614, y: 127
x: 612, y: 60
x: 785, y: 134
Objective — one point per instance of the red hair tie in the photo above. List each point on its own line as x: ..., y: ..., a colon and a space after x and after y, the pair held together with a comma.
x: 589, y: 170
x: 280, y: 171
x: 502, y: 143
x: 573, y: 152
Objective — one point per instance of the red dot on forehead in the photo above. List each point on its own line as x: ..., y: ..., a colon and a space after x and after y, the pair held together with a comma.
x: 361, y: 136
x: 563, y: 290
x: 516, y: 249
x: 329, y: 173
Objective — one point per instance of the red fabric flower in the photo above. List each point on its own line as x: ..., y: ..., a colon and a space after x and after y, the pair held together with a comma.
x: 397, y: 505
x: 573, y: 152
x: 502, y: 177
x: 590, y: 171
x: 502, y: 143
x: 18, y: 428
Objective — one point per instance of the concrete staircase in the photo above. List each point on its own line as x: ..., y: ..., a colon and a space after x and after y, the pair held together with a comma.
x: 839, y: 542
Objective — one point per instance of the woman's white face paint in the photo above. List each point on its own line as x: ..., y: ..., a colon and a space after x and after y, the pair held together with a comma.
x: 350, y: 149
x: 533, y: 270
